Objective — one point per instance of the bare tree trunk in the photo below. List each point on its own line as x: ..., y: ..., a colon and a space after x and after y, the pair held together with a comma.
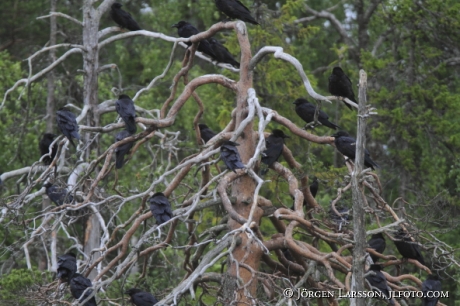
x: 91, y: 17
x: 248, y: 252
x: 51, y: 113
x: 359, y: 250
x: 50, y: 101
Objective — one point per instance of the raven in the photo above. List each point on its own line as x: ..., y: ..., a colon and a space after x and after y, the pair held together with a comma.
x: 205, y: 132
x: 222, y: 55
x: 58, y: 195
x: 141, y: 298
x: 234, y: 9
x: 378, y: 282
x: 287, y: 254
x: 160, y: 208
x: 433, y: 285
x: 306, y: 111
x: 339, y: 220
x: 122, y: 150
x: 185, y: 30
x: 67, y: 123
x: 377, y: 242
x: 125, y: 108
x: 67, y: 266
x: 347, y: 146
x: 314, y: 187
x: 78, y: 284
x: 406, y: 247
x: 340, y: 85
x: 44, y: 146
x: 229, y: 154
x: 275, y: 145
x: 123, y: 18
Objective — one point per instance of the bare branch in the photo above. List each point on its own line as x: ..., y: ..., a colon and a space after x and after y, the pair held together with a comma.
x: 58, y: 14
x: 278, y: 53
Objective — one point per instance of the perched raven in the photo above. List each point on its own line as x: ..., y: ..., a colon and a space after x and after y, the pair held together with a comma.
x: 287, y: 254
x: 229, y: 154
x: 206, y: 133
x: 339, y: 220
x: 314, y: 187
x: 340, y: 85
x: 432, y: 284
x: 274, y: 144
x: 378, y: 282
x: 122, y: 150
x: 377, y: 242
x: 123, y: 18
x: 160, y: 208
x: 67, y: 266
x: 306, y: 111
x: 67, y: 123
x: 234, y: 9
x: 406, y: 247
x: 141, y: 298
x: 185, y: 30
x: 78, y: 284
x: 222, y: 55
x: 347, y: 146
x: 125, y: 108
x: 58, y: 195
x: 44, y: 146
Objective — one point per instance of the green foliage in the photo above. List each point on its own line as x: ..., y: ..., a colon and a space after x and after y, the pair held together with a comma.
x: 21, y: 286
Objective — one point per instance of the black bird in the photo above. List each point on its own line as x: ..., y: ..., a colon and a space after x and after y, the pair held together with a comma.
x: 78, y: 284
x: 274, y: 144
x: 377, y: 242
x: 58, y: 195
x: 342, y: 219
x: 206, y: 133
x: 340, y: 85
x: 347, y: 146
x: 122, y: 150
x: 67, y: 266
x: 123, y: 18
x: 125, y: 108
x: 287, y: 254
x: 306, y: 111
x: 314, y: 187
x: 185, y: 30
x: 229, y: 154
x: 67, y: 123
x: 432, y: 284
x: 222, y: 55
x: 141, y: 298
x: 406, y: 247
x: 44, y: 146
x: 234, y: 9
x: 378, y: 282
x: 160, y: 208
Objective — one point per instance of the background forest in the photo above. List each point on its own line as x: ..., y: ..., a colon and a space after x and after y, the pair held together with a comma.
x: 410, y: 51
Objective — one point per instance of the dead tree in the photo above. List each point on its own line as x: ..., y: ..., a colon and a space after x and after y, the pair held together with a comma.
x: 237, y: 241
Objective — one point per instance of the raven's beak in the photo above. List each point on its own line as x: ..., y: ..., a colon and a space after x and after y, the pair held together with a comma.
x: 286, y: 136
x: 175, y: 26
